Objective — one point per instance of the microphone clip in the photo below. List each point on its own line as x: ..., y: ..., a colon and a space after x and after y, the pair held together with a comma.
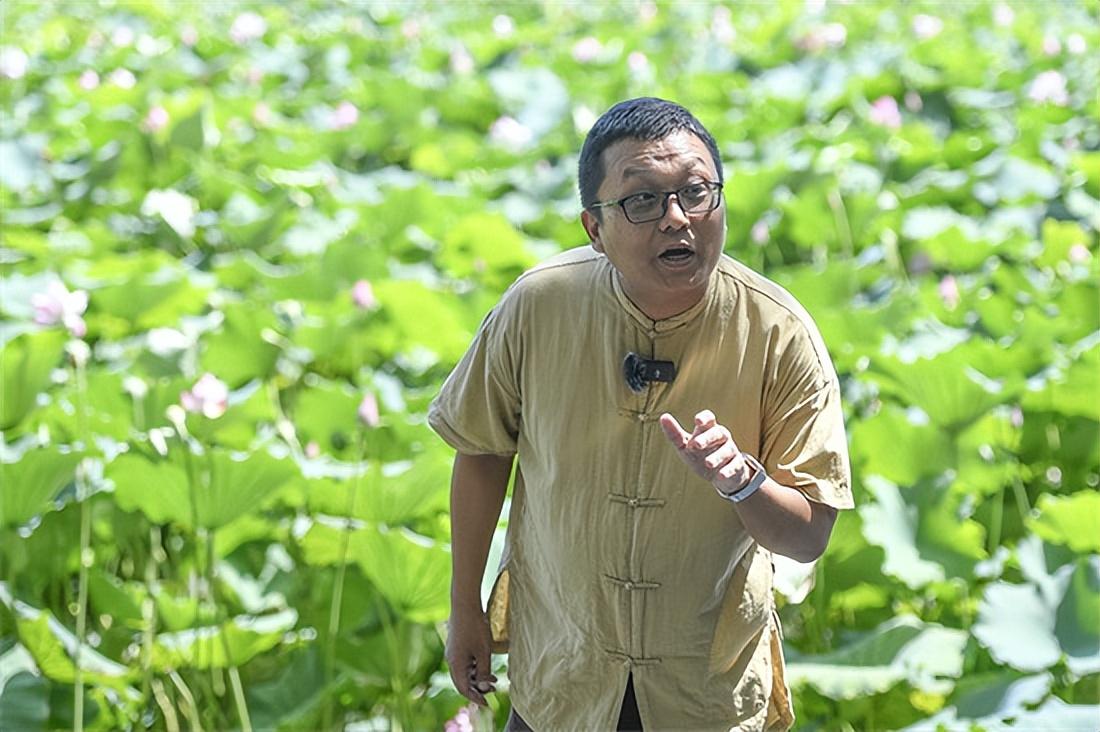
x: 639, y: 372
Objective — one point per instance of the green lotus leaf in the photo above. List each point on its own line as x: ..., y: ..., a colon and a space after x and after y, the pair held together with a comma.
x: 242, y: 348
x: 919, y: 529
x: 392, y: 494
x: 1071, y: 520
x: 227, y: 485
x: 924, y: 655
x: 1077, y: 623
x: 25, y: 703
x: 410, y: 571
x: 989, y: 701
x: 946, y: 387
x: 26, y: 362
x: 53, y: 647
x: 28, y: 485
x: 876, y: 447
x: 288, y: 699
x: 1016, y: 624
x: 232, y: 643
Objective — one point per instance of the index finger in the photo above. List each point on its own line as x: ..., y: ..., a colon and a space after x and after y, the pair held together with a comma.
x: 704, y: 420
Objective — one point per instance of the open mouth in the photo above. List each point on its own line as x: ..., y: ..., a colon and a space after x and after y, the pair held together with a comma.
x: 677, y: 255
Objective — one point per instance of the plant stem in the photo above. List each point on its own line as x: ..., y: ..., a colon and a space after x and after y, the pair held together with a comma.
x: 86, y: 556
x: 338, y: 588
x: 171, y: 722
x: 149, y: 616
x: 223, y: 632
x: 238, y: 697
x: 192, y: 709
x: 996, y: 520
x: 402, y: 716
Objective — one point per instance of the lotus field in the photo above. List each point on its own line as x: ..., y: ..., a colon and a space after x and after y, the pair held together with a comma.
x: 243, y: 245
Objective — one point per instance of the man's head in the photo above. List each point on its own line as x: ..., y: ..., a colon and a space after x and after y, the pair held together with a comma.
x: 645, y: 118
x: 650, y: 181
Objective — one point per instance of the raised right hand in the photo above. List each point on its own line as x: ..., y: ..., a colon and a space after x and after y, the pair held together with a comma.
x: 468, y: 653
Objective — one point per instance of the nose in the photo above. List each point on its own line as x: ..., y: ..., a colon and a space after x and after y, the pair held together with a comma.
x: 675, y: 217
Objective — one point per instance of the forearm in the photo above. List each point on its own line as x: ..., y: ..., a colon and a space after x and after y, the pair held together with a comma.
x: 478, y: 486
x: 784, y: 521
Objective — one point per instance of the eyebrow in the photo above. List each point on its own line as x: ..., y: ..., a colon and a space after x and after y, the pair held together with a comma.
x: 633, y: 171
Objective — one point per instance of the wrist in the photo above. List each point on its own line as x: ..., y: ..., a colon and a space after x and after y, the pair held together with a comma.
x: 465, y: 603
x: 756, y: 475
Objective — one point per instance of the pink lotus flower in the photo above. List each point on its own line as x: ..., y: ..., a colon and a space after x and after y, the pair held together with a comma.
x: 261, y: 114
x: 510, y: 133
x: 1051, y: 45
x: 884, y: 112
x: 587, y: 49
x: 503, y: 26
x: 462, y: 721
x: 123, y: 78
x: 122, y: 36
x: 1079, y: 254
x: 209, y: 397
x: 721, y: 25
x: 637, y: 62
x: 949, y: 292
x: 58, y: 305
x: 368, y: 411
x: 344, y: 116
x: 1049, y: 86
x: 829, y: 35
x: 362, y: 294
x: 926, y: 26
x: 156, y: 120
x: 89, y: 80
x: 1003, y: 15
x: 462, y: 62
x: 13, y: 62
x: 410, y: 28
x: 247, y: 27
x: 760, y: 233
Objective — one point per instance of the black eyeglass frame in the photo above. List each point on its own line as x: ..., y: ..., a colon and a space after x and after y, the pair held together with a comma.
x: 621, y: 202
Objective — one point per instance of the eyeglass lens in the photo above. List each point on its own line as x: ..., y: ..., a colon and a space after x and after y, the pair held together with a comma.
x: 651, y: 206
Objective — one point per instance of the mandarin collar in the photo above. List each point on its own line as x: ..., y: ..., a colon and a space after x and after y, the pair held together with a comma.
x: 665, y: 325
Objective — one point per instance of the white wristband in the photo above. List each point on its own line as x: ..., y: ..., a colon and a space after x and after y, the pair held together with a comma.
x: 757, y: 480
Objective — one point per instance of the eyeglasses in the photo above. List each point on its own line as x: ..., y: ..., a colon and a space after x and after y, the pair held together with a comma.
x: 646, y: 206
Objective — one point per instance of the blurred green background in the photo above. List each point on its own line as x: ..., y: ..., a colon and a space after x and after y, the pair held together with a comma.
x: 244, y: 243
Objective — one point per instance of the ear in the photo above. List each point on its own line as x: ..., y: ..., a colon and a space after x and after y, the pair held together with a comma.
x: 592, y: 228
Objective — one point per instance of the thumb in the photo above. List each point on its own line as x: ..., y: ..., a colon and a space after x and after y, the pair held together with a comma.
x: 674, y: 432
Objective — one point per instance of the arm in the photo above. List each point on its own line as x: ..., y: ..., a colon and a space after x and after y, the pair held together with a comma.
x: 478, y: 486
x: 778, y: 517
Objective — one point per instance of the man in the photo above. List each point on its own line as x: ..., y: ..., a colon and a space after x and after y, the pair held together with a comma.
x: 633, y: 594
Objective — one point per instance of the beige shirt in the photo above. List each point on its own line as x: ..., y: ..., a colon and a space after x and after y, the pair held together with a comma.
x: 619, y: 560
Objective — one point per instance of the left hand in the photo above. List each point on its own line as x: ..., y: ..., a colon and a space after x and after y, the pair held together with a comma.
x: 709, y: 450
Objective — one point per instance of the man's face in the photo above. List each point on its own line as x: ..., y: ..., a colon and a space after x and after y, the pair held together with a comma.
x: 664, y: 264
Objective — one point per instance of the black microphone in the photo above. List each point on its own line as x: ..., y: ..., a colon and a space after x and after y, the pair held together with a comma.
x: 639, y: 372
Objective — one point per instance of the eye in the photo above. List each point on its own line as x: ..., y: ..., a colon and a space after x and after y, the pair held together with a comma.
x: 643, y: 198
x: 695, y: 191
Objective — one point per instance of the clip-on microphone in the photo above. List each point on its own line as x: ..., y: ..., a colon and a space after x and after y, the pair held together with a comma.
x: 639, y: 372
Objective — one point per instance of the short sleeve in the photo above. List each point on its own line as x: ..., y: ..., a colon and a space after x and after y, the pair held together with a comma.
x: 804, y: 443
x: 477, y: 411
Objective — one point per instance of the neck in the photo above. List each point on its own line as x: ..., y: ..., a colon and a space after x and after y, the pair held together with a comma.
x: 661, y: 307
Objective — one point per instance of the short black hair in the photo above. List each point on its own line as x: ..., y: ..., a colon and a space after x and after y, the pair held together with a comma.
x: 644, y: 118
